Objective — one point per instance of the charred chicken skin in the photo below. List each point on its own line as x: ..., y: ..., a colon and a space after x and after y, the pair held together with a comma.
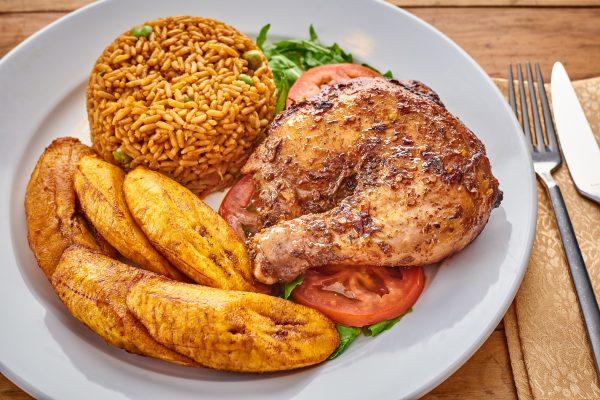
x: 368, y: 171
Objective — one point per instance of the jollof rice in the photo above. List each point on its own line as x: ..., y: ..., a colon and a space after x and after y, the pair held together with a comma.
x: 175, y: 95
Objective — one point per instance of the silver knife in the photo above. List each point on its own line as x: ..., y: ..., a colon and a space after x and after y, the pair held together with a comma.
x: 577, y: 140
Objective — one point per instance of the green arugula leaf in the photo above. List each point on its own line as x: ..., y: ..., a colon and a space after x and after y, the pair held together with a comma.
x: 387, y: 74
x: 370, y: 66
x: 312, y: 33
x: 302, y: 51
x: 283, y: 88
x: 262, y: 36
x: 380, y: 327
x: 285, y: 73
x: 347, y: 335
x: 289, y: 287
x: 289, y: 58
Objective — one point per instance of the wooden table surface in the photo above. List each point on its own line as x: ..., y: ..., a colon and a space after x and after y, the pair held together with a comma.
x: 495, y: 33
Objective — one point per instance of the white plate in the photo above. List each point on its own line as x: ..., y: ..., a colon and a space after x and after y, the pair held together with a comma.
x: 51, y: 355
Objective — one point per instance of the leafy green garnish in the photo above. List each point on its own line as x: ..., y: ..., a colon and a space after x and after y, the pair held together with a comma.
x: 312, y: 33
x: 285, y: 73
x: 387, y: 74
x: 262, y: 36
x: 347, y: 336
x: 289, y: 58
x: 140, y: 31
x: 376, y: 329
x: 289, y: 287
x: 308, y: 53
x: 349, y: 333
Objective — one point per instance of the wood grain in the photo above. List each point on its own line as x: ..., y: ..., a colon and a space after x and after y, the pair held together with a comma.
x: 486, y: 375
x: 494, y: 3
x: 543, y: 35
x: 41, y: 5
x: 16, y: 27
x: 495, y: 37
x: 9, y: 391
x: 70, y: 5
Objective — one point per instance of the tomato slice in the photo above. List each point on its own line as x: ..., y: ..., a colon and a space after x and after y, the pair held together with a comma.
x: 236, y: 207
x: 360, y: 295
x: 311, y: 81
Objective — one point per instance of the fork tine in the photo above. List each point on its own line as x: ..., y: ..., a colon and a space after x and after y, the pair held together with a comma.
x: 524, y: 113
x: 539, y: 134
x: 511, y: 91
x: 550, y: 133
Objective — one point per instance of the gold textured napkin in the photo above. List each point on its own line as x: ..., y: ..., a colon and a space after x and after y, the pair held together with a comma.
x: 547, y: 342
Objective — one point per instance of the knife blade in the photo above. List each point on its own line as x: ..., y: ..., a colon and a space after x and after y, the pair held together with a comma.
x: 577, y: 140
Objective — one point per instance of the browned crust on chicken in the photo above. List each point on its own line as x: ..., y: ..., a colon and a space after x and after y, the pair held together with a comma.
x: 370, y: 171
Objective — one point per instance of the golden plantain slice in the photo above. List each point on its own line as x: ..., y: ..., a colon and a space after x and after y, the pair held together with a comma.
x: 232, y: 330
x: 53, y: 221
x: 189, y: 233
x: 188, y: 324
x: 105, y: 247
x: 99, y: 187
x: 94, y: 289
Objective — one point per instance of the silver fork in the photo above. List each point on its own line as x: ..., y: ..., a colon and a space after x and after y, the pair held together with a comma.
x: 546, y: 158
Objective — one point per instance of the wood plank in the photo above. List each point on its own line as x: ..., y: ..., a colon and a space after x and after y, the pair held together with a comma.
x: 41, y: 5
x: 69, y: 5
x: 9, y: 391
x: 495, y: 37
x: 543, y: 35
x: 14, y: 28
x: 486, y: 375
x: 495, y: 3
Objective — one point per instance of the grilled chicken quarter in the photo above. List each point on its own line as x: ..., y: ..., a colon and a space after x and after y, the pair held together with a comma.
x: 369, y: 171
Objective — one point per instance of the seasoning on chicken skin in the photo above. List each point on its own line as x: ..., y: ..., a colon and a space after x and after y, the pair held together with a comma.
x: 369, y: 171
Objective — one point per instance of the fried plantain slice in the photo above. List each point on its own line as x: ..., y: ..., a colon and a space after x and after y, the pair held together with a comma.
x: 53, y: 220
x: 99, y: 187
x: 94, y: 289
x: 232, y: 330
x: 189, y: 233
x: 105, y: 247
x: 189, y: 324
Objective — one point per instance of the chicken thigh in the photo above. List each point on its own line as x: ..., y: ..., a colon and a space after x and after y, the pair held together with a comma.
x: 369, y: 171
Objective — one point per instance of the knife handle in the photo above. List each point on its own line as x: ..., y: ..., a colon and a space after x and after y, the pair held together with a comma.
x: 581, y: 279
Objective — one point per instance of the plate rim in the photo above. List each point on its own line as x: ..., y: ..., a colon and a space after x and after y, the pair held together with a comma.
x: 30, y: 388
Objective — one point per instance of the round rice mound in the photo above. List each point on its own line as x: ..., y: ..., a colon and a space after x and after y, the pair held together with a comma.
x: 171, y: 99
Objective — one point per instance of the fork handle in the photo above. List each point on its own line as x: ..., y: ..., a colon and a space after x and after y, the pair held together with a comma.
x: 581, y: 279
